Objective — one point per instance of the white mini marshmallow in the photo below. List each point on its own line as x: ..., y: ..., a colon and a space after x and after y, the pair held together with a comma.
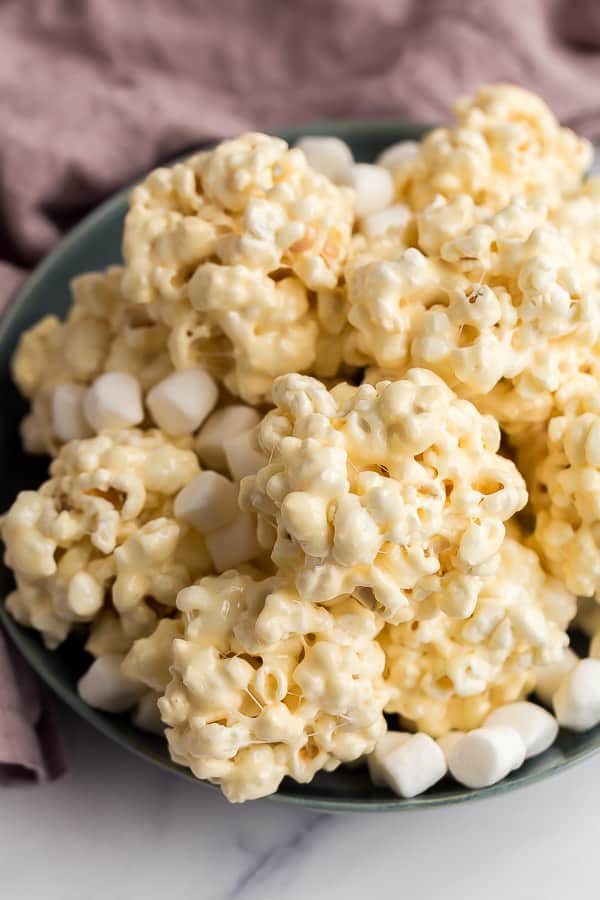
x: 448, y: 740
x: 330, y: 156
x: 105, y: 687
x: 388, y: 742
x: 207, y: 502
x: 413, y: 766
x: 485, y: 756
x: 242, y: 458
x: 233, y: 544
x: 222, y: 425
x: 396, y: 154
x: 146, y: 716
x: 374, y: 188
x: 548, y: 678
x: 180, y: 403
x: 114, y: 400
x: 538, y: 729
x: 377, y: 223
x: 66, y: 411
x: 577, y: 700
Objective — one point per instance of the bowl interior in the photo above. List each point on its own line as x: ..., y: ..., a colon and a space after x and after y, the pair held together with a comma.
x: 94, y: 244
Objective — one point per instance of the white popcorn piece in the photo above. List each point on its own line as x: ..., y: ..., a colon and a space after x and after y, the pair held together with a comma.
x: 386, y: 744
x: 577, y: 700
x: 550, y: 676
x: 485, y: 756
x: 242, y: 457
x: 222, y: 425
x: 413, y: 766
x: 208, y: 502
x: 113, y: 401
x: 66, y: 410
x: 146, y: 716
x: 377, y: 223
x: 397, y: 154
x: 374, y: 187
x: 233, y: 544
x: 538, y: 729
x: 330, y: 156
x: 105, y: 687
x: 180, y: 403
x: 448, y: 740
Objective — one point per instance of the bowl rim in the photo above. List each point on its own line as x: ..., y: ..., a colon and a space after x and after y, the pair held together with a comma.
x: 24, y: 638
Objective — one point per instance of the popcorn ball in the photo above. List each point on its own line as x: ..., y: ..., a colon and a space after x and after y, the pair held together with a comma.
x: 99, y: 538
x: 500, y: 314
x: 506, y: 142
x: 565, y: 488
x: 103, y: 332
x: 265, y: 684
x: 448, y: 673
x: 235, y: 245
x: 393, y: 493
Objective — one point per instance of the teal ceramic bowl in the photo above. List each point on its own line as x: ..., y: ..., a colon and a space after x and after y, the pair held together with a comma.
x: 94, y: 244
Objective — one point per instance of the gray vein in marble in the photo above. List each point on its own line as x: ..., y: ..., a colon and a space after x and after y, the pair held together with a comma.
x: 272, y: 859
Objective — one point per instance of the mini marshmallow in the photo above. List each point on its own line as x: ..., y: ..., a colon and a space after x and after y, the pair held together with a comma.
x: 538, y: 729
x: 388, y: 742
x: 393, y: 217
x: 66, y: 411
x: 180, y: 403
x: 146, y: 715
x: 207, y: 502
x: 114, y: 400
x: 105, y: 687
x: 374, y: 188
x: 548, y: 678
x: 413, y: 766
x: 485, y: 756
x: 233, y: 544
x: 577, y: 700
x: 242, y: 458
x: 448, y: 740
x: 330, y: 156
x: 396, y: 154
x: 223, y: 424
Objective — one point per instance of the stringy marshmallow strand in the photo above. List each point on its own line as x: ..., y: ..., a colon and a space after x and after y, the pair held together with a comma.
x: 412, y: 766
x: 180, y: 403
x: 105, y: 687
x: 374, y: 187
x: 66, y: 411
x: 221, y: 426
x: 485, y: 756
x: 114, y: 400
x: 330, y: 156
x: 577, y: 700
x: 538, y: 729
x: 208, y: 502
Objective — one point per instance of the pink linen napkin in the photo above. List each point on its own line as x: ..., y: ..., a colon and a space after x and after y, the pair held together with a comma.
x: 95, y: 92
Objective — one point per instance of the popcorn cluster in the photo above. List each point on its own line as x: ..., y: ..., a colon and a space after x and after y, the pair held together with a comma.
x: 393, y: 493
x: 262, y: 585
x: 265, y: 684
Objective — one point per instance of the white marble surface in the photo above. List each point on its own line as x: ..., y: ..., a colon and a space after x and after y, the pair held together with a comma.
x: 117, y: 828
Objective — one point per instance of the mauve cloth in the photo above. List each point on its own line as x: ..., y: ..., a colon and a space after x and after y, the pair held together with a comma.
x: 94, y: 93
